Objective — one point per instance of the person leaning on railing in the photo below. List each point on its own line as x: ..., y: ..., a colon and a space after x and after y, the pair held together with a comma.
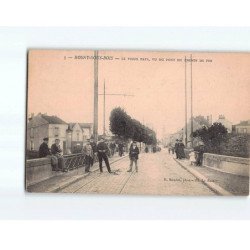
x: 57, y: 160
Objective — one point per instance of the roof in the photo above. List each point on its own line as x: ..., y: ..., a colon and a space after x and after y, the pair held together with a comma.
x: 53, y: 119
x: 86, y: 125
x: 82, y: 125
x: 243, y: 123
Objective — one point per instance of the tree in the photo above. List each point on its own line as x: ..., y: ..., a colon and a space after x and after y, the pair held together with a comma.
x: 123, y: 125
x: 201, y: 120
x: 212, y: 137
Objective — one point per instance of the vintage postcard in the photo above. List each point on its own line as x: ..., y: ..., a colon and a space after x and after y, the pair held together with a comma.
x: 138, y: 122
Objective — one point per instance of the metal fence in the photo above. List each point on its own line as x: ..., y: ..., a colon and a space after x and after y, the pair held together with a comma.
x: 74, y: 161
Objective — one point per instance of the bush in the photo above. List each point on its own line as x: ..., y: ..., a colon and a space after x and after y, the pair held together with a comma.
x: 217, y: 141
x: 236, y: 145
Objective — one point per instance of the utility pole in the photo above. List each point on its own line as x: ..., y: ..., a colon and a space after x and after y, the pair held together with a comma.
x: 95, y: 127
x: 104, y: 108
x: 185, y: 102
x: 191, y: 101
x: 104, y: 104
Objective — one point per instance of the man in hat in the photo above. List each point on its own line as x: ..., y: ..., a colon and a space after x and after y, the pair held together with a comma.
x: 120, y: 148
x: 57, y: 158
x: 112, y: 148
x: 44, y: 148
x: 88, y: 151
x: 133, y: 156
x: 94, y: 149
x: 102, y: 150
x: 176, y: 148
x: 181, y: 147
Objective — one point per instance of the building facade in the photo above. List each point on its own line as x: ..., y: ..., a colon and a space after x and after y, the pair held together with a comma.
x: 41, y: 126
x: 77, y: 135
x: 72, y: 136
x: 243, y: 127
x: 226, y: 123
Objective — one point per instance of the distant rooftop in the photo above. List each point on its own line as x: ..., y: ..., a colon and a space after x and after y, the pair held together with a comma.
x: 244, y: 123
x: 86, y: 125
x: 82, y: 125
x: 53, y: 119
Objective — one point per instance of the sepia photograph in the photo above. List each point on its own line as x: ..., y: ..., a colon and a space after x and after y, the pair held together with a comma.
x: 138, y: 122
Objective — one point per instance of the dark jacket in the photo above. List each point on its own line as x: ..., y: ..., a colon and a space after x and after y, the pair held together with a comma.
x: 133, y: 152
x: 55, y: 149
x: 102, y: 148
x: 44, y: 150
x: 176, y: 146
x: 94, y: 147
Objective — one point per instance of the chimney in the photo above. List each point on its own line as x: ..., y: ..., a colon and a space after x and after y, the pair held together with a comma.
x: 209, y: 119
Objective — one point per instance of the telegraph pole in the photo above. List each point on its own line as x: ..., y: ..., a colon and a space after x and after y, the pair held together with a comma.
x: 95, y: 127
x: 104, y: 104
x: 104, y: 108
x: 185, y: 103
x: 191, y: 101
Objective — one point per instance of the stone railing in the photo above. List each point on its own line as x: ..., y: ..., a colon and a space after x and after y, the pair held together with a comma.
x: 227, y: 164
x: 37, y: 170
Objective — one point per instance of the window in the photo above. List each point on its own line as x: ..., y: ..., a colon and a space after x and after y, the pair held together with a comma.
x: 77, y: 136
x: 31, y: 145
x: 32, y: 132
x: 56, y: 131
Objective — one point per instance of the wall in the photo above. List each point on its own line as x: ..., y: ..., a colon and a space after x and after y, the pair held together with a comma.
x: 228, y: 164
x: 77, y: 129
x: 61, y: 136
x: 40, y: 130
x: 239, y: 129
x: 38, y: 170
x: 86, y: 133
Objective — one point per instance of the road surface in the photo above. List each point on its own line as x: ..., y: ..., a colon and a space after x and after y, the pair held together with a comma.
x: 159, y: 174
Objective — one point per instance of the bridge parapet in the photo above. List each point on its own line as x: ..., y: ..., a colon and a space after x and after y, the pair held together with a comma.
x: 40, y: 169
x: 228, y: 164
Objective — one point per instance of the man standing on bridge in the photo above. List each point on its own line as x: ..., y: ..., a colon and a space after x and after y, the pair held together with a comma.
x: 133, y: 156
x: 102, y: 150
x: 176, y: 149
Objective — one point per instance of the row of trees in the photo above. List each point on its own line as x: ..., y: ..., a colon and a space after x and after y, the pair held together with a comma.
x: 123, y: 125
x: 217, y: 140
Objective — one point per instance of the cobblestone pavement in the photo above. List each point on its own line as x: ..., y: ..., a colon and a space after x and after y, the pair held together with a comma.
x: 158, y: 174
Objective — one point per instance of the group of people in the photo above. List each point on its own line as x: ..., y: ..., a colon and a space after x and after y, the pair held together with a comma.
x: 102, y: 151
x: 116, y: 147
x: 195, y: 156
x: 90, y: 150
x: 55, y: 152
x: 179, y: 149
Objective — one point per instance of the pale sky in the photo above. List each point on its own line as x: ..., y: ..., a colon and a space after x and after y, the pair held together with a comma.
x: 65, y: 87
